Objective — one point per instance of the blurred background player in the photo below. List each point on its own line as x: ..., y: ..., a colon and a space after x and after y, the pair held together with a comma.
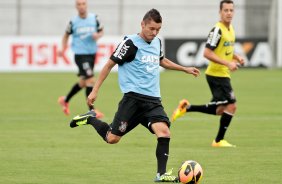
x: 138, y: 57
x: 220, y: 52
x: 85, y: 29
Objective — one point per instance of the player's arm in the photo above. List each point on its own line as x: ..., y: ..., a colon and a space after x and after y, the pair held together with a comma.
x: 65, y: 39
x: 239, y: 59
x: 168, y: 64
x: 212, y: 43
x: 125, y: 52
x: 100, y: 29
x: 210, y: 55
x: 102, y: 76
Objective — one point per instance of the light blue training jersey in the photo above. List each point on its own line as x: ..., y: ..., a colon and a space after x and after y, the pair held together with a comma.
x: 139, y: 74
x: 82, y: 30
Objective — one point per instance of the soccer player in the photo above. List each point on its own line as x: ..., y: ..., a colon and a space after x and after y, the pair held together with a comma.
x: 220, y: 52
x: 138, y: 58
x: 85, y: 29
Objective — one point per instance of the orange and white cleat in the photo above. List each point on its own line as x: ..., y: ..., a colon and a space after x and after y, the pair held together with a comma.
x: 64, y: 105
x: 180, y: 110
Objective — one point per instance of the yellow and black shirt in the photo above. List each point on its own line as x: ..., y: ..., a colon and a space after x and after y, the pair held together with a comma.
x: 221, y: 40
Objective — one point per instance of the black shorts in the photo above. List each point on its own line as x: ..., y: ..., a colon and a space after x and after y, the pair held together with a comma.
x: 133, y: 110
x: 222, y: 92
x: 85, y: 64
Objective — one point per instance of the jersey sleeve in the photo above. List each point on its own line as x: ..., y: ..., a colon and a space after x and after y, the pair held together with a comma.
x: 100, y: 26
x: 125, y: 52
x: 213, y: 38
x: 69, y: 28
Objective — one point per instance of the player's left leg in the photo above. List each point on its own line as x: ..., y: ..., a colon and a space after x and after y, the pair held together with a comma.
x: 185, y: 106
x: 224, y: 123
x: 158, y: 123
x: 180, y: 110
x: 162, y: 132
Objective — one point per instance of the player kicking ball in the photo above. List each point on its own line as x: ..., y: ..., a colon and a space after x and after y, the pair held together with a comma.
x: 138, y: 57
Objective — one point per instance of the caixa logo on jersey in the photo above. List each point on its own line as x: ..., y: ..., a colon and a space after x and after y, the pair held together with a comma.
x: 189, y: 52
x: 152, y: 62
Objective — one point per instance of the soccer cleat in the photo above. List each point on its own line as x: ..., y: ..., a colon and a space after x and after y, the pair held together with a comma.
x: 222, y: 143
x: 81, y: 119
x: 180, y: 110
x: 64, y: 105
x: 99, y: 114
x: 166, y: 177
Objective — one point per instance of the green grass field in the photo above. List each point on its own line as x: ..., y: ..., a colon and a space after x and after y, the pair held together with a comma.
x: 38, y: 147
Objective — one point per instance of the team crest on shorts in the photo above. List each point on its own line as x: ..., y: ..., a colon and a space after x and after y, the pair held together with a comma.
x: 89, y: 72
x: 232, y: 95
x: 123, y: 126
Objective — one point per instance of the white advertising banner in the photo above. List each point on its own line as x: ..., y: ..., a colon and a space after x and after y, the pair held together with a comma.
x: 40, y: 54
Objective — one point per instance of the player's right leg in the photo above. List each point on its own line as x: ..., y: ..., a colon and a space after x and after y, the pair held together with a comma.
x: 65, y: 105
x: 120, y: 126
x: 82, y: 119
x: 64, y: 100
x: 89, y: 118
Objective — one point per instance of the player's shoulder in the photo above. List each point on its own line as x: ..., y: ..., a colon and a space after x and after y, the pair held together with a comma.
x: 91, y: 15
x: 75, y: 18
x: 127, y: 41
x: 130, y: 39
x: 130, y: 36
x: 217, y: 26
x: 216, y: 30
x: 136, y: 38
x: 157, y: 39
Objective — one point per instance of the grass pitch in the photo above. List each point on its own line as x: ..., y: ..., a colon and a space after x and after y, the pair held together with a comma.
x: 37, y: 146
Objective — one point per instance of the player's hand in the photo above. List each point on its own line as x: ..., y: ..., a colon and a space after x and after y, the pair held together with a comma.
x: 95, y: 36
x: 232, y: 66
x: 192, y: 70
x: 240, y: 60
x: 62, y: 53
x: 91, y: 98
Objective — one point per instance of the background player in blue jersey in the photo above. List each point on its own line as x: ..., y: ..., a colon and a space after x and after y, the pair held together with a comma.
x: 85, y: 29
x: 138, y: 57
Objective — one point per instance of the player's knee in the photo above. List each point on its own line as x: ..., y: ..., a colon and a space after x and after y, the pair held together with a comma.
x: 232, y: 108
x: 112, y: 139
x: 166, y: 134
x: 81, y: 84
x: 220, y: 109
x: 161, y: 129
x: 89, y: 81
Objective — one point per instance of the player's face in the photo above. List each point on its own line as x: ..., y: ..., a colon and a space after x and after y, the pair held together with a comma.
x: 81, y: 6
x: 226, y: 13
x: 150, y: 29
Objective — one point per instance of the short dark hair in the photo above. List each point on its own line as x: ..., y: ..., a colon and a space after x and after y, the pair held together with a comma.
x: 225, y: 1
x: 154, y: 15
